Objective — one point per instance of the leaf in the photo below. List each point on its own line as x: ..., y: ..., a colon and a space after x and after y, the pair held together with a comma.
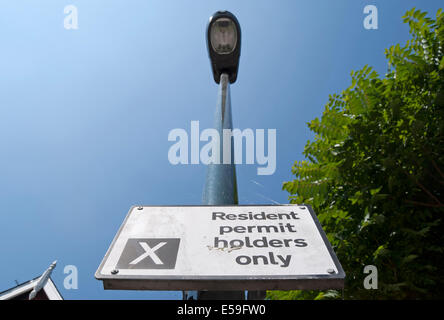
x: 409, y: 259
x: 375, y: 191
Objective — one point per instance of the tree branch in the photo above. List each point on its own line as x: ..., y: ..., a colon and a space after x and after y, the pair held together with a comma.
x: 431, y: 205
x: 428, y: 192
x: 424, y: 189
x: 437, y: 168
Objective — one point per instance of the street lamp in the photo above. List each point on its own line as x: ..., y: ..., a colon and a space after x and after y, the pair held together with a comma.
x: 224, y: 44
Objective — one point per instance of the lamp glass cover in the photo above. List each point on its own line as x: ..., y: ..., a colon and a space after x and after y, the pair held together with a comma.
x: 223, y: 36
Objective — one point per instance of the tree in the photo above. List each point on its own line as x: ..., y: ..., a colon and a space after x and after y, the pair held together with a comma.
x: 375, y: 171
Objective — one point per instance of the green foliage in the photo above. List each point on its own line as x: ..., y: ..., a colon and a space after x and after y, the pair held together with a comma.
x: 375, y: 172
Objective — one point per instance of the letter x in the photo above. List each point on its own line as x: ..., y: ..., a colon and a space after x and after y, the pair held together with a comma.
x: 149, y: 252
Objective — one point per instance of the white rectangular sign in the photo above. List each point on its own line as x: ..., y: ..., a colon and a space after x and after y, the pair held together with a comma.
x: 221, y: 248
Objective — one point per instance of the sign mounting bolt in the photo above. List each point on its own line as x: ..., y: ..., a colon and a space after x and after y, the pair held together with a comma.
x: 331, y: 271
x: 115, y: 271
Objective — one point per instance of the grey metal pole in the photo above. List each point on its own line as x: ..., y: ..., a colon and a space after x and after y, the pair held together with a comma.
x: 220, y: 184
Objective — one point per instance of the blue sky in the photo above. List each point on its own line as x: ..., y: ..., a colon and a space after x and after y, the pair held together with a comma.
x: 85, y: 114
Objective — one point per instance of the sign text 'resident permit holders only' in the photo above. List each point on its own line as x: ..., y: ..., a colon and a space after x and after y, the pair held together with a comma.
x: 262, y: 247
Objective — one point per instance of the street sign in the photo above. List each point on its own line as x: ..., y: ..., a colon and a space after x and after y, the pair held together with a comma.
x: 264, y: 247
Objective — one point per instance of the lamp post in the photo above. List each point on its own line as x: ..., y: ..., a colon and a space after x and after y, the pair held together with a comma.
x: 223, y: 44
x: 224, y: 47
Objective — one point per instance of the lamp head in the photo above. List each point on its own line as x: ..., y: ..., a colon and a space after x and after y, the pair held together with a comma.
x: 224, y: 44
